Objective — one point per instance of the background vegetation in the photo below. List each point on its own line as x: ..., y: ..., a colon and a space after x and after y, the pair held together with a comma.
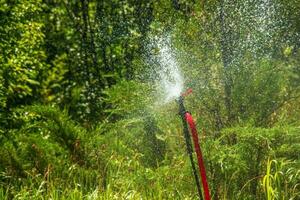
x: 78, y: 118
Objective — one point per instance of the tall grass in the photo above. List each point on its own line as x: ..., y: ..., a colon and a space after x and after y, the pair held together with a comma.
x: 61, y: 160
x: 281, y: 180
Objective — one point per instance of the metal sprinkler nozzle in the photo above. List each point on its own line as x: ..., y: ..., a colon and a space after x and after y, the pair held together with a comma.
x: 180, y: 99
x: 187, y: 92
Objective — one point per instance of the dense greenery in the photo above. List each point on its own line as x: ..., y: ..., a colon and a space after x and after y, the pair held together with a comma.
x: 79, y: 117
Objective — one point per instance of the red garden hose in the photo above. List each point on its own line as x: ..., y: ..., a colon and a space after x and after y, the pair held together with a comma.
x: 193, y: 129
x: 187, y: 120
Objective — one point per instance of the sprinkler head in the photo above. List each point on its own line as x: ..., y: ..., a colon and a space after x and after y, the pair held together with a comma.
x: 187, y: 92
x: 183, y: 95
x: 180, y: 99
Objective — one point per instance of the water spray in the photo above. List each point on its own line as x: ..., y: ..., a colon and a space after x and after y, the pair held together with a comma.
x: 187, y: 121
x: 170, y: 82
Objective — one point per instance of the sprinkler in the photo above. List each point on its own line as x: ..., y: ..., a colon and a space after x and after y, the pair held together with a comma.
x: 187, y: 121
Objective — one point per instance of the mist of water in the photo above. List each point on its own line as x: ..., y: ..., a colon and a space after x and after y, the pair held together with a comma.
x: 166, y: 72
